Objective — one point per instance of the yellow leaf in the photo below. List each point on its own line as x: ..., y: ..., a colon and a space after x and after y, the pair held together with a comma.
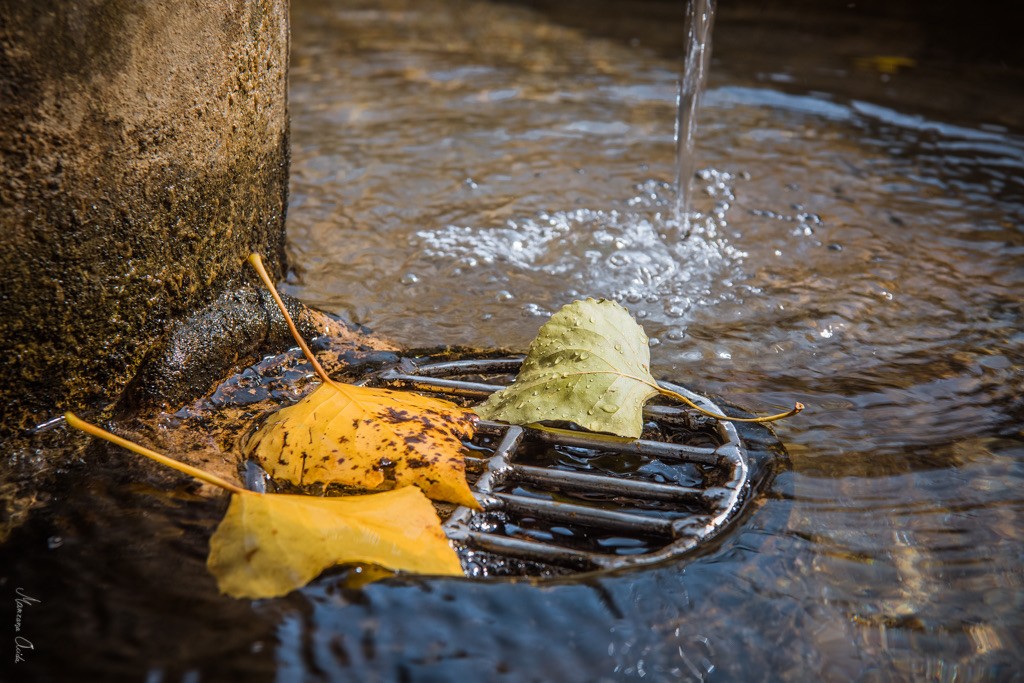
x: 886, y: 64
x: 351, y: 435
x: 270, y: 544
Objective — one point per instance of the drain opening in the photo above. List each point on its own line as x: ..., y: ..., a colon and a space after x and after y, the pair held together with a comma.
x: 566, y: 501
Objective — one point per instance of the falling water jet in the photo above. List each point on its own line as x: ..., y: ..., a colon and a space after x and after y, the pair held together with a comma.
x: 699, y: 18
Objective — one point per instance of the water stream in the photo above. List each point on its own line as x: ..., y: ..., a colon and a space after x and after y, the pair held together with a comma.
x: 463, y: 168
x: 700, y: 18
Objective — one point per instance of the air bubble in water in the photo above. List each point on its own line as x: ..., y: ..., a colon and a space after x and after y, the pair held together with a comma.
x: 676, y: 334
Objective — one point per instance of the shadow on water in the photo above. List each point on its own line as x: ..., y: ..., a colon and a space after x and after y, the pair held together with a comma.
x: 461, y: 169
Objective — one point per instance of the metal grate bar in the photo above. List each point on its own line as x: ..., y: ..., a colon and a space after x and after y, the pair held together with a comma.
x: 478, y: 366
x: 480, y: 390
x: 580, y: 481
x: 724, y: 469
x: 441, y: 385
x: 578, y: 514
x: 497, y: 466
x: 654, y: 449
x: 531, y: 550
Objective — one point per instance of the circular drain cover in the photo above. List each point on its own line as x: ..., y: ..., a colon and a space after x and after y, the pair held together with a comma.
x: 566, y: 501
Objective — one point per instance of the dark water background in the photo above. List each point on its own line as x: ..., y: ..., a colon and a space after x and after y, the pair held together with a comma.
x: 463, y: 168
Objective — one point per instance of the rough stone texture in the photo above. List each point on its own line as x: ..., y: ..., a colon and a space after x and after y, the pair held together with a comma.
x: 143, y: 155
x: 234, y: 330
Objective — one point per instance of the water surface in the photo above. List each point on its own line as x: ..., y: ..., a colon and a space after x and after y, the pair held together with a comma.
x: 463, y: 168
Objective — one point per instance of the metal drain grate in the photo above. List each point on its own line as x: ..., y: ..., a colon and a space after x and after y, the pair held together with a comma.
x: 580, y: 502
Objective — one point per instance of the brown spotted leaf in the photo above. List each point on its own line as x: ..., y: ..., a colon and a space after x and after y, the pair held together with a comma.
x: 353, y: 435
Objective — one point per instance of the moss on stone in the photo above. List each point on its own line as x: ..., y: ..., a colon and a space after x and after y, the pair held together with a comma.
x: 143, y: 155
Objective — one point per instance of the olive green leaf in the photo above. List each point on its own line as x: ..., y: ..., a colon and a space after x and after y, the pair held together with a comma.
x: 589, y: 364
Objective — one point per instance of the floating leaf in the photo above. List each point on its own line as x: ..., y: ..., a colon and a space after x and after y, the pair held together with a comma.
x: 589, y: 364
x: 270, y: 544
x: 353, y: 435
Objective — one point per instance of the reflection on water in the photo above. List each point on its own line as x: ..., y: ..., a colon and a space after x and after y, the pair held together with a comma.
x: 462, y: 168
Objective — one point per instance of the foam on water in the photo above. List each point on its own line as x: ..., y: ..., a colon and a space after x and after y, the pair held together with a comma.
x: 625, y: 255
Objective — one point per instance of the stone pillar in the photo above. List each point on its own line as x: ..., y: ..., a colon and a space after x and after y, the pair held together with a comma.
x: 143, y: 155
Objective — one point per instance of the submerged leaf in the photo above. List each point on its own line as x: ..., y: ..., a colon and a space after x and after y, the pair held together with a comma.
x: 353, y: 435
x: 270, y: 544
x: 589, y: 364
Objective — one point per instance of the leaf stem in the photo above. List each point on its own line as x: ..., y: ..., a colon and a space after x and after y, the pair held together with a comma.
x: 682, y: 399
x: 770, y: 418
x: 256, y: 262
x: 99, y: 433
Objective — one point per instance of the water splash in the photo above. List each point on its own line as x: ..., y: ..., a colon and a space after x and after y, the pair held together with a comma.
x: 623, y: 255
x: 699, y: 19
